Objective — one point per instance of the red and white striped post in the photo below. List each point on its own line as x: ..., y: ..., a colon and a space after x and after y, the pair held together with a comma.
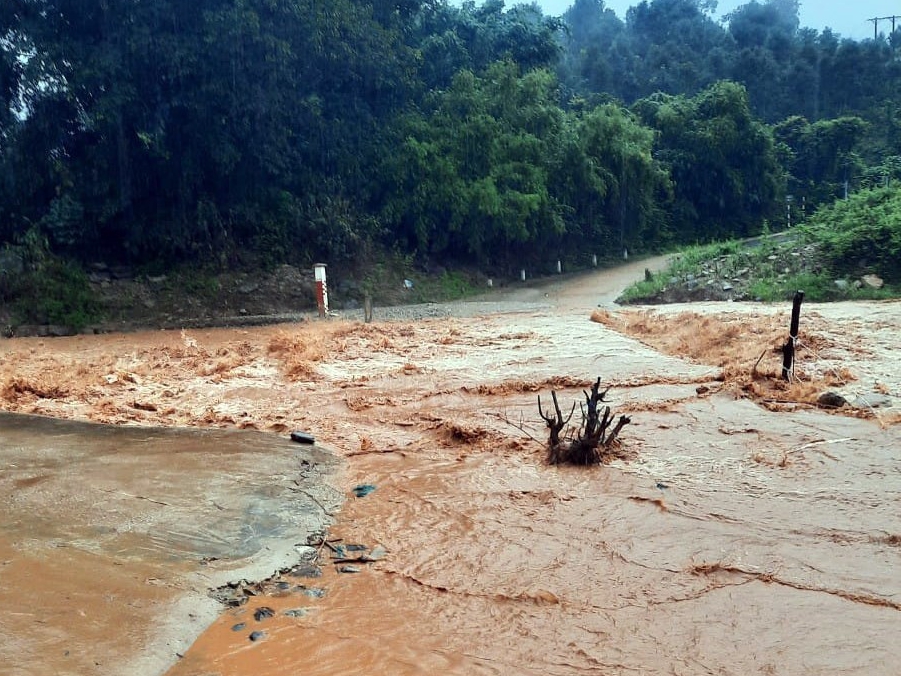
x: 321, y: 289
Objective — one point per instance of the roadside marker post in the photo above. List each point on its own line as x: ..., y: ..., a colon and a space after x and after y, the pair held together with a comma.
x: 321, y: 289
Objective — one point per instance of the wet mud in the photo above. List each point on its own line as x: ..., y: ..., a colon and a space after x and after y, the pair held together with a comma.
x: 736, y: 539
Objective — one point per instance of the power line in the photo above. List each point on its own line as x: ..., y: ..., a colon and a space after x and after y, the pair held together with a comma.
x: 876, y: 21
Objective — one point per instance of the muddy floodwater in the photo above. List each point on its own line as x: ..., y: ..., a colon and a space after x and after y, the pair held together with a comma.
x: 744, y: 531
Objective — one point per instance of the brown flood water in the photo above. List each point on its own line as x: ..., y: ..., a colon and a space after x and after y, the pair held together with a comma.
x: 735, y: 540
x: 693, y: 559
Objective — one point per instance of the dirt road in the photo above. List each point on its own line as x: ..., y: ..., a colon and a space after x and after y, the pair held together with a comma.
x: 736, y: 540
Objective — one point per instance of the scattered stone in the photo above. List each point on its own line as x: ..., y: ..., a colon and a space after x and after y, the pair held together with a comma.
x: 702, y: 389
x: 314, y: 592
x: 873, y: 400
x: 842, y: 284
x: 662, y: 487
x: 263, y: 613
x: 349, y: 569
x: 283, y: 586
x: 303, y: 438
x: 257, y: 636
x: 297, y: 612
x: 727, y: 287
x: 159, y: 279
x: 873, y: 281
x: 239, y: 626
x: 99, y: 277
x: 831, y: 400
x: 248, y: 287
x: 377, y: 554
x: 357, y: 548
x: 307, y: 570
x: 363, y: 490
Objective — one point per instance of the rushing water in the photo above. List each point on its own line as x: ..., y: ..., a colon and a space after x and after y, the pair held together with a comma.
x: 735, y: 541
x: 739, y: 542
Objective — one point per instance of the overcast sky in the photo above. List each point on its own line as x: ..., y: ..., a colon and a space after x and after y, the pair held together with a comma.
x: 846, y: 17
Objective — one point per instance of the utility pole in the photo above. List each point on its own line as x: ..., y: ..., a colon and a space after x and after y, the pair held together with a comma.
x: 877, y: 19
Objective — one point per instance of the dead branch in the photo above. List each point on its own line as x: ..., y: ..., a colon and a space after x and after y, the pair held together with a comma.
x: 557, y: 423
x: 592, y: 443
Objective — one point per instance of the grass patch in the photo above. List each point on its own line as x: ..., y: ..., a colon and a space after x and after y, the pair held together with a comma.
x: 684, y: 265
x: 832, y: 258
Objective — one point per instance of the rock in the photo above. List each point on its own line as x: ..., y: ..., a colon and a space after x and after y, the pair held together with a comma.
x: 742, y: 272
x: 314, y: 592
x: 263, y: 613
x: 377, y: 554
x: 873, y: 400
x: 303, y: 438
x: 307, y: 570
x: 873, y: 281
x: 842, y: 284
x: 238, y: 627
x: 157, y: 279
x: 99, y: 277
x: 728, y: 287
x: 257, y: 636
x: 296, y: 612
x: 12, y: 261
x: 121, y: 272
x: 363, y: 490
x: 349, y: 569
x: 831, y: 400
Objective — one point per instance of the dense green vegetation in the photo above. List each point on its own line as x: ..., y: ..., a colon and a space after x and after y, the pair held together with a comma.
x: 849, y: 250
x: 252, y: 132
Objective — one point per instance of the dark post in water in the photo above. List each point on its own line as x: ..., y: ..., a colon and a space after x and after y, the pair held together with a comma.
x: 788, y: 350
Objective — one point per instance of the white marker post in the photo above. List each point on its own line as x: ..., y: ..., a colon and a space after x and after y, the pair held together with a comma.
x: 321, y: 289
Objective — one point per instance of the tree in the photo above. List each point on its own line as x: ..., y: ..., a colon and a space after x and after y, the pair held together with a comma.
x: 724, y: 167
x: 474, y: 172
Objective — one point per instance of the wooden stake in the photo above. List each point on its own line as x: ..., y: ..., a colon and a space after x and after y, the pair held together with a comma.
x: 788, y: 350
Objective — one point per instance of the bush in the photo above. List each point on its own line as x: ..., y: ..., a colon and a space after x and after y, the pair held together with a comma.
x: 861, y: 234
x: 56, y: 292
